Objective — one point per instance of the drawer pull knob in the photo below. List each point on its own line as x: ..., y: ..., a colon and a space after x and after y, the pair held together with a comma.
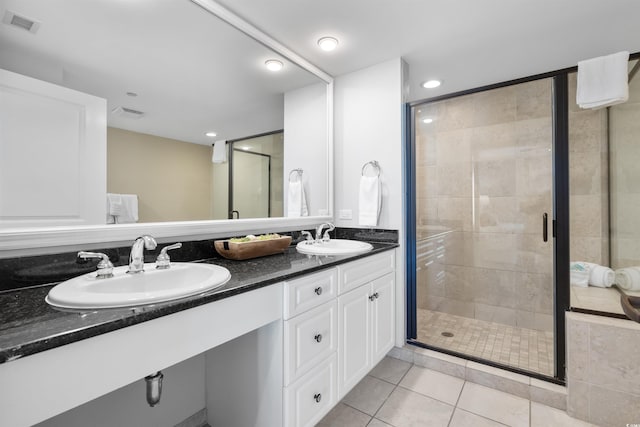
x: 317, y: 397
x: 318, y: 290
x: 374, y: 296
x: 318, y: 338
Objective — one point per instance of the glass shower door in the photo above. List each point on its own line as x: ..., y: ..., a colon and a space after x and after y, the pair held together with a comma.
x: 484, y: 271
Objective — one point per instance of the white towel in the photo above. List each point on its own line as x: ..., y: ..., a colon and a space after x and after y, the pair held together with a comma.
x: 219, y: 151
x: 580, y: 274
x: 122, y: 208
x: 628, y: 278
x: 603, y: 81
x: 601, y: 276
x: 296, y: 200
x: 369, y: 201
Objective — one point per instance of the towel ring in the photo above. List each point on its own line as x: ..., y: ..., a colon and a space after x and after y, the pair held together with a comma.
x: 374, y: 164
x: 298, y: 171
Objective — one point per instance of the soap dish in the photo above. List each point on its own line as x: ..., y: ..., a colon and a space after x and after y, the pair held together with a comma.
x: 252, y: 249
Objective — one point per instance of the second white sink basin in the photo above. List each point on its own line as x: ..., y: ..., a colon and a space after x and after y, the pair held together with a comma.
x: 334, y: 247
x: 129, y: 290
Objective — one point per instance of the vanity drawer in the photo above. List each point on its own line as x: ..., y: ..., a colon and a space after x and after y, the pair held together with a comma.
x: 309, y: 338
x: 309, y: 291
x: 365, y: 270
x: 310, y: 398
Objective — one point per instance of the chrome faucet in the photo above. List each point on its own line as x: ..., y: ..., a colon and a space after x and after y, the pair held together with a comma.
x: 136, y: 257
x: 325, y: 237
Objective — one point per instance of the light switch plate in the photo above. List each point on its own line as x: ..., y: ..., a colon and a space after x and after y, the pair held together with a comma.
x: 345, y: 214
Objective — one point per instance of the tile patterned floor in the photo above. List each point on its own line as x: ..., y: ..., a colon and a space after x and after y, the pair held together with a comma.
x: 399, y: 394
x: 522, y: 348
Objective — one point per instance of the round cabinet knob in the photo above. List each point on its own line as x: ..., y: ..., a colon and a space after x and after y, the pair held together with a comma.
x: 372, y: 297
x: 318, y: 290
x: 376, y: 295
x: 318, y: 337
x: 317, y: 397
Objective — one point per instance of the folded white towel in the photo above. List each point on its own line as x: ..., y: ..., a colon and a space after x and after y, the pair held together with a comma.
x: 296, y: 199
x: 370, y: 201
x: 580, y: 274
x: 122, y: 208
x: 628, y: 278
x: 603, y: 81
x: 601, y: 276
x: 219, y: 151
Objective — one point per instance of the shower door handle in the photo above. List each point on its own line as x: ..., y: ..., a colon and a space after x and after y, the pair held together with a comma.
x: 545, y: 227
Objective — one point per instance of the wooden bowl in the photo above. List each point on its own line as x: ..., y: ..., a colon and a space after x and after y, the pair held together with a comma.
x: 253, y: 248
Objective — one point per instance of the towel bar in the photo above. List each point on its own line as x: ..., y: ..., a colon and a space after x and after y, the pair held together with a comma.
x: 374, y: 164
x: 298, y: 171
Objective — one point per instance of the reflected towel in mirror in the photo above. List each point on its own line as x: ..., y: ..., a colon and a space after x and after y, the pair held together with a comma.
x: 219, y: 151
x: 370, y: 201
x: 122, y: 208
x: 628, y: 278
x: 603, y: 81
x: 296, y: 199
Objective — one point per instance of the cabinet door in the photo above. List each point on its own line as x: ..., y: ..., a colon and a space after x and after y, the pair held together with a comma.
x: 382, y: 318
x: 354, y: 320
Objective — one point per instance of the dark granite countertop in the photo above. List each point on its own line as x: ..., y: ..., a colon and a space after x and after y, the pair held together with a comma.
x: 29, y: 325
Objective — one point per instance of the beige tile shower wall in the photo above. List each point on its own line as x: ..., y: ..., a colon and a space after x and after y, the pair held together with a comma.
x: 603, y: 374
x: 588, y: 182
x: 625, y: 179
x: 171, y: 178
x: 483, y: 183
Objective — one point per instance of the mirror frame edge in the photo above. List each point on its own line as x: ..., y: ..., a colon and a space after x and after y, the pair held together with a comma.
x: 32, y: 241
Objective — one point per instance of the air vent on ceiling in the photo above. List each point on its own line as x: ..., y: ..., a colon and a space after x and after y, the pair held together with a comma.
x: 129, y: 113
x: 13, y: 19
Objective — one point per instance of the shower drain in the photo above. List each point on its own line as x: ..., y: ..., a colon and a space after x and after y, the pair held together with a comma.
x: 447, y: 334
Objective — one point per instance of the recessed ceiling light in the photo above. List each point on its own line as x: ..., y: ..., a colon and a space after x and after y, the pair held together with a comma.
x: 430, y: 84
x: 328, y: 43
x: 211, y: 134
x: 246, y: 148
x: 427, y: 121
x: 273, y: 65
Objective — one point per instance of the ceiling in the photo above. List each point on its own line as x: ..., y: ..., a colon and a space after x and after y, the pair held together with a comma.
x: 465, y: 43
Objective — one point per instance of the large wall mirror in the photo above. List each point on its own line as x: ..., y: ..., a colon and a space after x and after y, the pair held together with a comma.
x: 171, y: 72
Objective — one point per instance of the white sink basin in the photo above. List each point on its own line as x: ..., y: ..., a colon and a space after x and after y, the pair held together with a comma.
x: 127, y: 290
x: 334, y: 247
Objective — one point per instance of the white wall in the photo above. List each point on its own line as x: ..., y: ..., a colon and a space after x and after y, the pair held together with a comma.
x: 305, y: 143
x: 183, y: 394
x: 369, y: 126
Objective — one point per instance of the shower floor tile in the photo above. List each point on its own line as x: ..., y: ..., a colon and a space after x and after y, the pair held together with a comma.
x: 522, y: 348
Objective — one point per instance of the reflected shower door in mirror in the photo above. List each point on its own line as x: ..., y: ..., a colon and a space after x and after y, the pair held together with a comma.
x: 158, y: 93
x: 250, y: 184
x: 605, y: 200
x: 484, y: 269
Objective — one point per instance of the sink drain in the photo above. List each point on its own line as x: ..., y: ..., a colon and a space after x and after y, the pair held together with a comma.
x: 447, y: 334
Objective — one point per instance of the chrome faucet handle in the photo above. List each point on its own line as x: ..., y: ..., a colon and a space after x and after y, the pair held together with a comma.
x: 307, y: 235
x: 105, y: 267
x: 163, y: 261
x: 325, y: 236
x: 136, y: 256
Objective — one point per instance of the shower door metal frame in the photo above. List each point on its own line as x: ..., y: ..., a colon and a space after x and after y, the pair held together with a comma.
x: 560, y: 222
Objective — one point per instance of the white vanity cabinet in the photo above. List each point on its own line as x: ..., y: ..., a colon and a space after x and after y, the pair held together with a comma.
x: 338, y: 324
x: 310, y: 341
x: 365, y: 317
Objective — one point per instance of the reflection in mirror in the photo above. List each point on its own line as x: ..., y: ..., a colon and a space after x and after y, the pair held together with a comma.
x: 159, y: 76
x: 604, y: 207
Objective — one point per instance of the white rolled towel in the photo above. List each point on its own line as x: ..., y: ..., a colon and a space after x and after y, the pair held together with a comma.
x: 628, y: 278
x: 580, y: 274
x: 601, y: 276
